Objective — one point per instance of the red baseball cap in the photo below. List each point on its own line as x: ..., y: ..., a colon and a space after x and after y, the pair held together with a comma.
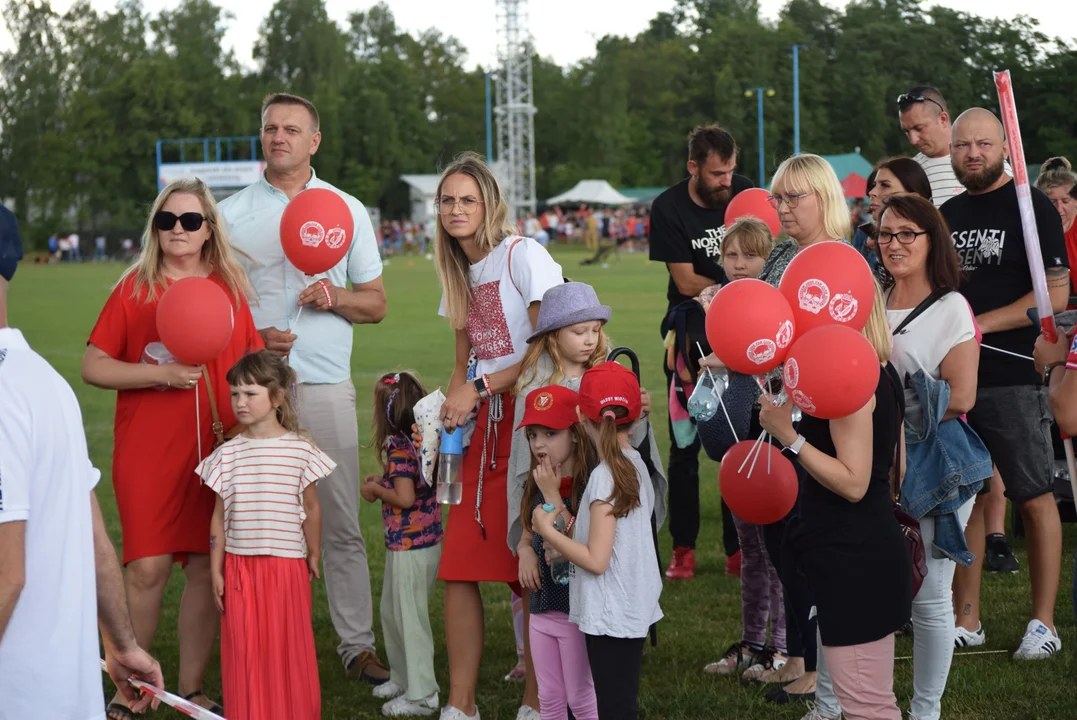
x: 606, y: 385
x: 553, y: 406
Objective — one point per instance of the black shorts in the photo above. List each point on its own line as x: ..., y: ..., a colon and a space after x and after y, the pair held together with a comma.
x: 1015, y: 424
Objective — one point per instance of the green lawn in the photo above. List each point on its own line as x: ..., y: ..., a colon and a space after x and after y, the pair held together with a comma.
x: 56, y: 307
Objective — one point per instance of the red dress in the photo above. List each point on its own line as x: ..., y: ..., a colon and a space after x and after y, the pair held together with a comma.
x: 164, y: 508
x: 467, y: 554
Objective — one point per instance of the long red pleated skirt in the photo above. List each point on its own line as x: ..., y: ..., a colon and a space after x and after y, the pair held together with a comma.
x: 269, y: 670
x: 467, y: 553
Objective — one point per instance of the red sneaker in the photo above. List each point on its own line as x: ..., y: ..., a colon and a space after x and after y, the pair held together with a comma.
x: 732, y: 565
x: 683, y: 564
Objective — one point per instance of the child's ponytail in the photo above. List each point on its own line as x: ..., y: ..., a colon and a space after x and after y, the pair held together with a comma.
x: 626, y: 480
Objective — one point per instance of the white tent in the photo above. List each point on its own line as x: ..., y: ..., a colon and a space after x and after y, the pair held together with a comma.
x: 422, y: 189
x: 591, y: 192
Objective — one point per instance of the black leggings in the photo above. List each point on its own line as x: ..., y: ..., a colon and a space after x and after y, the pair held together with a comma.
x: 615, y: 667
x: 796, y: 595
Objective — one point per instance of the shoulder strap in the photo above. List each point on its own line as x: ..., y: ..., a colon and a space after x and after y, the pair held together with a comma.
x: 515, y: 240
x: 218, y: 427
x: 927, y: 302
x: 899, y: 397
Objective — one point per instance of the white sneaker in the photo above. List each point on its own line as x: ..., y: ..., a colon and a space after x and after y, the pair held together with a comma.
x: 450, y: 713
x: 387, y: 691
x: 965, y: 639
x: 527, y: 712
x: 402, y: 707
x: 1039, y: 643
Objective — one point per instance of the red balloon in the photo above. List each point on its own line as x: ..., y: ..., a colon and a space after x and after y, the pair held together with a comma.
x: 750, y: 326
x: 195, y: 320
x: 316, y: 230
x: 763, y: 497
x: 753, y: 203
x: 829, y: 283
x: 831, y: 372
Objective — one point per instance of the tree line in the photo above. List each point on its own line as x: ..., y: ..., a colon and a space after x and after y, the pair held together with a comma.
x: 85, y: 95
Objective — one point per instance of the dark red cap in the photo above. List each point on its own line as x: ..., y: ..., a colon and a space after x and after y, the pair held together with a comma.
x: 607, y: 385
x: 552, y: 406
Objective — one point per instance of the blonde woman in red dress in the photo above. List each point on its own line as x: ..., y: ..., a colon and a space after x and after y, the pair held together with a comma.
x: 164, y: 509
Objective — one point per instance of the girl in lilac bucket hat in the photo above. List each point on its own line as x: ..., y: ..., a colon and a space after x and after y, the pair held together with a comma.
x: 569, y: 339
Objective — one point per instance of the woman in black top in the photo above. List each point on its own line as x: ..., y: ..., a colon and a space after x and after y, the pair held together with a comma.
x: 847, y: 541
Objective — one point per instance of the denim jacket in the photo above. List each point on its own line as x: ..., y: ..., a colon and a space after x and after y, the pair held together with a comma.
x: 946, y: 465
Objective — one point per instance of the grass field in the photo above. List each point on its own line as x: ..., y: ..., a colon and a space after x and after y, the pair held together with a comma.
x: 56, y: 307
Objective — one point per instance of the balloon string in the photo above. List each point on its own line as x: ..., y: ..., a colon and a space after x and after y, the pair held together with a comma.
x: 198, y: 421
x: 720, y: 403
x: 752, y: 451
x: 298, y: 314
x: 1007, y: 352
x: 757, y: 454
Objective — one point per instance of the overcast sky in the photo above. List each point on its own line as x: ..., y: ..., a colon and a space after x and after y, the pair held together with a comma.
x: 565, y: 30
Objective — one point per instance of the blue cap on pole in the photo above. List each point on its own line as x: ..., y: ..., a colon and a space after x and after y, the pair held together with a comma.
x: 452, y: 443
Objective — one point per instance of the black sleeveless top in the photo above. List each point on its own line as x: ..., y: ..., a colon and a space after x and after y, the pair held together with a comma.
x: 853, y: 554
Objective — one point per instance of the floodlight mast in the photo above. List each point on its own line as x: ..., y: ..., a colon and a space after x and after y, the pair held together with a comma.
x: 515, y: 110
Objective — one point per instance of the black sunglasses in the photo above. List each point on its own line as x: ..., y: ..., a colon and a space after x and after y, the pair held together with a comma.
x: 165, y: 221
x: 906, y: 100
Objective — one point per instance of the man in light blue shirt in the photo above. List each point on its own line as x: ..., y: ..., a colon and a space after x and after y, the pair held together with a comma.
x: 318, y: 345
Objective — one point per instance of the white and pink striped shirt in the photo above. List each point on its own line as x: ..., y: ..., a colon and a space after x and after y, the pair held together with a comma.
x: 262, y: 483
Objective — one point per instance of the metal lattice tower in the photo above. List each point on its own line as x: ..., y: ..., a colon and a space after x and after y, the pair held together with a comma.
x: 515, y: 109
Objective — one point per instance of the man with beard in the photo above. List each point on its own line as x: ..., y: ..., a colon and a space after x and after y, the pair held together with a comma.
x: 926, y: 123
x: 687, y: 226
x: 1011, y: 413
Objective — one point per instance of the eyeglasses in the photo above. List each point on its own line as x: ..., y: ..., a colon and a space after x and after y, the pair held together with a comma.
x: 790, y: 200
x: 165, y: 221
x: 906, y: 100
x: 444, y: 205
x: 905, y: 237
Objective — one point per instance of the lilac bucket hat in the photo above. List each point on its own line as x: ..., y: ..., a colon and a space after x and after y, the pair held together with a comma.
x: 568, y: 304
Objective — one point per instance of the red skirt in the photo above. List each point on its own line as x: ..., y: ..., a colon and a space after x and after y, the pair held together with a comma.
x: 467, y: 554
x: 269, y: 670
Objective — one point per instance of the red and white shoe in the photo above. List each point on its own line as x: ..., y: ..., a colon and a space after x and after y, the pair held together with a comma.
x: 732, y: 565
x: 683, y: 564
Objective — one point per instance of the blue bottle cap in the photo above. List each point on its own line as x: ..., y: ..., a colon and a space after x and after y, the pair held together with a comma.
x: 548, y: 507
x: 452, y: 443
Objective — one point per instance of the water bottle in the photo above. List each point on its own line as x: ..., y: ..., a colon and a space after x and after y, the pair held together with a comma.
x: 450, y: 459
x: 703, y: 404
x: 559, y: 568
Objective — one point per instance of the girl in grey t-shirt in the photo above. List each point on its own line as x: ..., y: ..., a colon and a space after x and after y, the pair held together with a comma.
x: 616, y: 582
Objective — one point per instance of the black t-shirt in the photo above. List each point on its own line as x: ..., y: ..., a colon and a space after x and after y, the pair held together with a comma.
x: 986, y: 230
x: 683, y: 232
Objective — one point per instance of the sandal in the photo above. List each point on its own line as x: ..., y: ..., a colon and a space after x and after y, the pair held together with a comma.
x: 214, y: 708
x: 115, y: 711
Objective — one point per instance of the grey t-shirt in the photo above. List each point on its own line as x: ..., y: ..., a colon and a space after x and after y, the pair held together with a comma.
x: 623, y: 601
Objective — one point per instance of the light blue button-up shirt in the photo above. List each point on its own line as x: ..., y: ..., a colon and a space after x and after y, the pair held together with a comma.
x: 323, y: 347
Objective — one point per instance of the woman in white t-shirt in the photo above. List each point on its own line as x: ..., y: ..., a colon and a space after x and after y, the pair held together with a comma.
x: 492, y: 283
x: 915, y: 246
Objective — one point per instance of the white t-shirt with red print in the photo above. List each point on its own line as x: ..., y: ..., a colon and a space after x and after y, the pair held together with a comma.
x: 498, y: 324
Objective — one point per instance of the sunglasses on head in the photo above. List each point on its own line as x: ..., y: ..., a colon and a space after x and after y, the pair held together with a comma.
x: 907, y: 100
x: 165, y: 221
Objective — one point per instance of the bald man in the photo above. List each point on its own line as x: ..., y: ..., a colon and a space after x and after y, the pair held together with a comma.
x: 1011, y: 413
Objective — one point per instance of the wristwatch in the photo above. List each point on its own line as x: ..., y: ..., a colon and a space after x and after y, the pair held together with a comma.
x: 482, y: 387
x: 1047, y: 371
x: 797, y: 445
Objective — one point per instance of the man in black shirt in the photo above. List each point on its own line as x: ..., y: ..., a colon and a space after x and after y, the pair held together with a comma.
x: 1011, y: 414
x: 687, y: 226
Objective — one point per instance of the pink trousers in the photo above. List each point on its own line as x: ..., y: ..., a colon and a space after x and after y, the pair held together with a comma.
x: 559, y: 654
x: 863, y: 678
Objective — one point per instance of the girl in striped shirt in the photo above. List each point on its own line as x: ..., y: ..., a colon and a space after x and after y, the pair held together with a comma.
x: 265, y: 541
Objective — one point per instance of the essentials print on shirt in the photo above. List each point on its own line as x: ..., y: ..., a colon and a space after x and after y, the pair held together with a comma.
x: 981, y: 246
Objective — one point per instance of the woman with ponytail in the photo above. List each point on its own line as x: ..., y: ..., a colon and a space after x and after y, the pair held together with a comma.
x: 615, y: 585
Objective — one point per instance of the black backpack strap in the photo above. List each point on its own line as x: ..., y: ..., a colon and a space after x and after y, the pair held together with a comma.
x: 917, y: 311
